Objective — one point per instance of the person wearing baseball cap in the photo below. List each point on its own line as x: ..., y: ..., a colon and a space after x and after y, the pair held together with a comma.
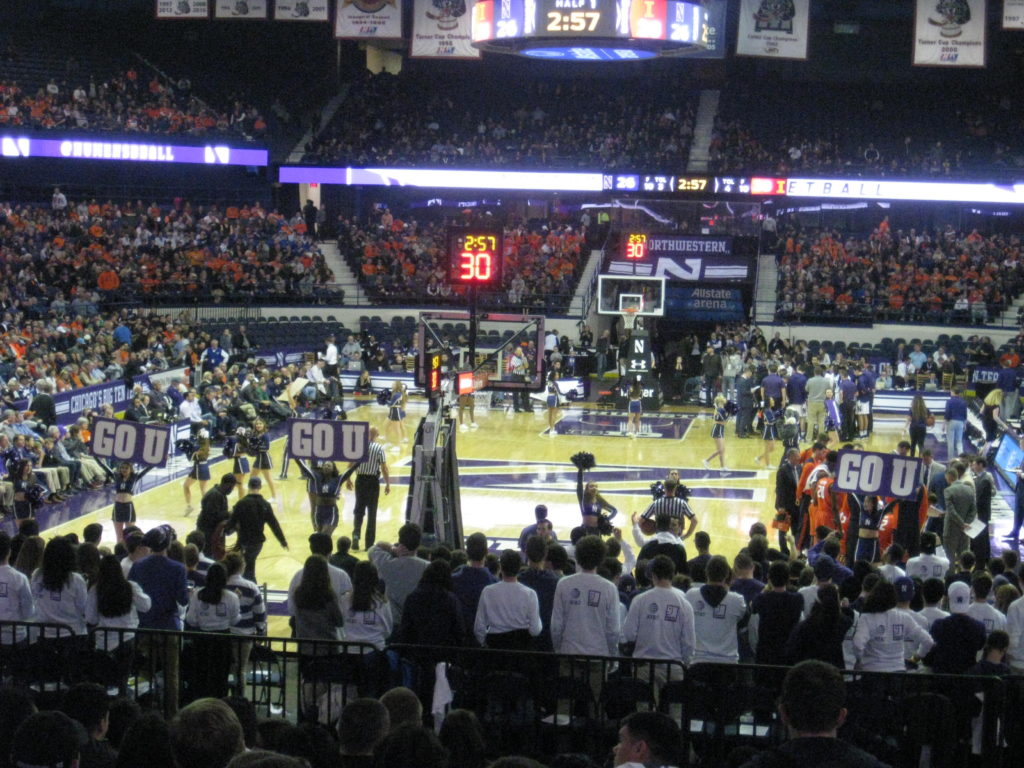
x: 879, y: 641
x: 958, y: 637
x: 905, y: 591
x: 824, y: 569
x: 249, y: 517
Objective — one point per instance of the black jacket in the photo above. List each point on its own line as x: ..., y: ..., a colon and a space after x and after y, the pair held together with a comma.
x: 249, y: 517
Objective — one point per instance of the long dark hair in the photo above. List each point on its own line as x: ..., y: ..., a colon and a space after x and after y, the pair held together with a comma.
x: 881, y: 598
x: 314, y: 591
x: 438, y: 573
x: 58, y: 564
x: 365, y: 586
x: 216, y: 580
x: 113, y: 592
x: 87, y: 559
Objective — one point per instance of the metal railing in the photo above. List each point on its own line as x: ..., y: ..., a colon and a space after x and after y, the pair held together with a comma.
x: 530, y: 703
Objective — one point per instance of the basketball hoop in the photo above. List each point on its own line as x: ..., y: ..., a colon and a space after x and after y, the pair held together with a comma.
x: 629, y: 317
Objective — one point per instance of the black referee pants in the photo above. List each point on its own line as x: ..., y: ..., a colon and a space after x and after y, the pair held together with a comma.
x: 367, y: 495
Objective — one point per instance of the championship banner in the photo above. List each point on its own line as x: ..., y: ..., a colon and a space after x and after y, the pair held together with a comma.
x: 361, y: 19
x: 130, y: 441
x: 241, y: 9
x: 302, y: 10
x: 949, y: 33
x: 773, y: 28
x: 322, y: 440
x: 879, y: 474
x: 1013, y: 14
x: 442, y: 29
x: 182, y: 9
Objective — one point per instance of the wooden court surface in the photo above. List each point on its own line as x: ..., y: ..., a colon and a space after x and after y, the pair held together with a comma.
x: 508, y: 466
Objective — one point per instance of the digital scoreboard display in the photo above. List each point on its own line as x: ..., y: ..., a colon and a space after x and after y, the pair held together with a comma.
x: 590, y: 29
x: 474, y: 256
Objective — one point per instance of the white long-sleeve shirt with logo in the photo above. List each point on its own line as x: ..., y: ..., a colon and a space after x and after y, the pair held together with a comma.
x: 715, y: 626
x: 16, y: 602
x: 987, y: 615
x: 1015, y: 628
x: 507, y: 606
x: 661, y: 624
x: 585, y: 620
x: 880, y: 640
x: 927, y: 567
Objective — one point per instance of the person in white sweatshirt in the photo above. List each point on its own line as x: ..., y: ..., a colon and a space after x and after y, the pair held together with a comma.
x: 660, y: 621
x: 16, y: 601
x: 1015, y: 629
x: 980, y: 609
x: 718, y: 613
x: 585, y: 618
x: 883, y: 630
x: 508, y: 614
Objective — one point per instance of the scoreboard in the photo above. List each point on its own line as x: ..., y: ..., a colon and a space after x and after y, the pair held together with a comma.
x: 590, y: 30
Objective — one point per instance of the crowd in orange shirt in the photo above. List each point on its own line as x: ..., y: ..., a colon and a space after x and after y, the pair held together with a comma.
x: 938, y: 277
x: 124, y: 104
x: 408, y: 263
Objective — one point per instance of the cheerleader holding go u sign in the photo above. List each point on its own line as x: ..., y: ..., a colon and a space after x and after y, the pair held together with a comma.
x: 718, y: 433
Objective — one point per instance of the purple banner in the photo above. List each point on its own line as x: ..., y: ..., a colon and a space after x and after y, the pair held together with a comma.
x: 130, y: 441
x: 92, y: 148
x: 879, y: 474
x: 328, y: 440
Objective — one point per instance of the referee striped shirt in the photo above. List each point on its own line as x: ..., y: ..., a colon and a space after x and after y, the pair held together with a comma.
x: 375, y: 458
x: 668, y: 505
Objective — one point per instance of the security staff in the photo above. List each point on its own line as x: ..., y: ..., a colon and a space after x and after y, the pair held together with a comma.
x: 367, y: 486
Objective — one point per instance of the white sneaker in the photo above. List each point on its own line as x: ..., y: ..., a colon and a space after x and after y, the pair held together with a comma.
x: 474, y: 425
x: 189, y: 509
x: 395, y: 449
x: 706, y: 465
x: 405, y: 439
x: 463, y: 428
x: 552, y: 433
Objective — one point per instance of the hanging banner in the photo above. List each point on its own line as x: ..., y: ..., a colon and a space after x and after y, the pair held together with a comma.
x: 182, y: 9
x: 1013, y: 14
x: 302, y: 10
x: 773, y: 28
x: 241, y: 9
x: 362, y: 19
x: 328, y: 440
x: 442, y: 29
x: 949, y: 33
x: 118, y: 440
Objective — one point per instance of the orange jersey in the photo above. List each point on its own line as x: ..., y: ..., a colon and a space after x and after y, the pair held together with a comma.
x: 822, y: 502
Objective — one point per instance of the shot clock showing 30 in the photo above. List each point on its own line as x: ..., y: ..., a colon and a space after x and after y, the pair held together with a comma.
x: 475, y: 256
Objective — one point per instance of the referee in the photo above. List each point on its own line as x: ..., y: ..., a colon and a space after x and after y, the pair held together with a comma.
x: 670, y: 505
x: 368, y: 473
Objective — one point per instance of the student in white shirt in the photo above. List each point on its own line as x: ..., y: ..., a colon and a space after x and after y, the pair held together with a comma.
x: 365, y: 608
x: 59, y: 592
x: 508, y: 614
x: 928, y: 565
x: 114, y: 602
x: 989, y: 615
x: 585, y: 618
x: 341, y: 583
x: 892, y: 569
x: 824, y: 570
x: 882, y: 631
x: 1015, y: 629
x: 933, y: 590
x: 16, y: 602
x: 660, y: 621
x: 718, y: 613
x: 213, y: 608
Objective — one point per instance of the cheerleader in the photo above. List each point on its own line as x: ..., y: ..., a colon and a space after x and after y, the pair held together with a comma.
x: 125, y: 481
x: 591, y: 502
x: 235, y: 449
x: 259, y: 447
x: 718, y: 433
x: 635, y: 409
x: 396, y: 416
x: 552, y: 402
x: 771, y: 431
x: 324, y: 486
x: 870, y: 521
x: 25, y: 501
x: 199, y: 455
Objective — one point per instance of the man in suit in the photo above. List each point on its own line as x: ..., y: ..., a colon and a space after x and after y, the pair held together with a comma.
x: 961, y: 509
x: 785, y: 494
x: 137, y: 411
x: 745, y: 402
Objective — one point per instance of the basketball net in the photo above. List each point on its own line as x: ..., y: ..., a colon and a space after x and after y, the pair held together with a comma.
x: 629, y: 317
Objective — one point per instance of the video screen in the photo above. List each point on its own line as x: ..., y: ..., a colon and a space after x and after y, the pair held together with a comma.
x: 1009, y: 456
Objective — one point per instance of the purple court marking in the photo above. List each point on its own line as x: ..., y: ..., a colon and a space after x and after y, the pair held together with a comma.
x: 604, y: 424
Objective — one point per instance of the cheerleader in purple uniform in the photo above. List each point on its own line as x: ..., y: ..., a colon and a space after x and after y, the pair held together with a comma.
x: 635, y: 409
x: 771, y: 431
x: 833, y: 418
x: 718, y: 433
x: 235, y: 448
x: 552, y: 403
x: 126, y: 479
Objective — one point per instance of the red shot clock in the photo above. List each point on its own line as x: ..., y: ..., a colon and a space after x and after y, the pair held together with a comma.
x: 475, y: 256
